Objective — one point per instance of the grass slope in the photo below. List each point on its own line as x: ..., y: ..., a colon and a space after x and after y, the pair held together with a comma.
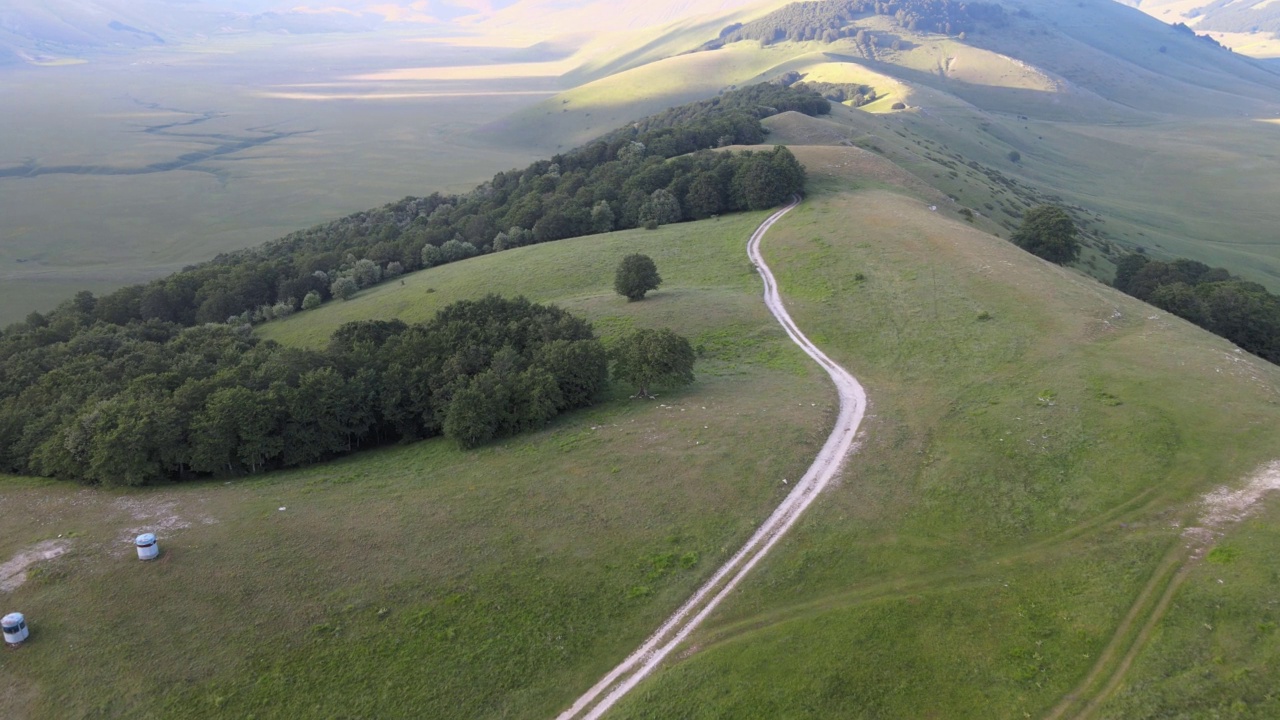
x: 422, y: 581
x: 1161, y: 141
x: 1033, y: 440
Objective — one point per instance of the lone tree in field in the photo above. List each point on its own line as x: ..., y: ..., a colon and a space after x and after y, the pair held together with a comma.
x: 1048, y: 231
x: 648, y: 358
x: 636, y: 276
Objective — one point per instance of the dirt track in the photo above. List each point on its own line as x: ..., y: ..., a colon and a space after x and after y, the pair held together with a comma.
x: 853, y: 402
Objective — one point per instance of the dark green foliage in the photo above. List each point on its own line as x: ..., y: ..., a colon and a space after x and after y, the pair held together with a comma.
x: 1126, y: 268
x: 1048, y: 231
x: 856, y: 93
x: 731, y: 118
x: 830, y: 20
x: 763, y: 180
x: 584, y: 191
x: 150, y: 402
x: 163, y: 380
x: 1243, y: 312
x: 344, y: 288
x: 649, y: 358
x: 637, y: 274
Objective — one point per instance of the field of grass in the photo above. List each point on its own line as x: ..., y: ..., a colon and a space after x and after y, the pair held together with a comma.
x: 357, y: 143
x: 1033, y: 437
x: 1160, y: 151
x: 1175, y: 188
x: 423, y: 581
x: 1215, y: 652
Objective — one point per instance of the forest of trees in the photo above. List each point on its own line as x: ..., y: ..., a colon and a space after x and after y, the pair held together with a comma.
x: 632, y: 177
x: 165, y: 381
x: 855, y: 93
x: 829, y: 20
x: 1243, y: 312
x: 152, y: 401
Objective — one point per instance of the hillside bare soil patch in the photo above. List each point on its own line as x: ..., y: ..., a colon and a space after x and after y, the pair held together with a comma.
x: 13, y: 573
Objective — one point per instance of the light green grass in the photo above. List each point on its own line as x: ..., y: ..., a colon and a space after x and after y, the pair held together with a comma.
x: 88, y: 231
x: 423, y: 581
x: 576, y: 273
x: 1031, y: 440
x: 1214, y: 654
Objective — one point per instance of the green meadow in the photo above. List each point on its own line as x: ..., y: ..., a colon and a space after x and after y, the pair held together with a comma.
x: 275, y: 144
x: 421, y: 580
x: 1004, y: 535
x: 1035, y: 442
x: 1010, y: 540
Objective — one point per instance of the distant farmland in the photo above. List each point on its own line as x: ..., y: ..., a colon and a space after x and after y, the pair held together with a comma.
x: 117, y: 172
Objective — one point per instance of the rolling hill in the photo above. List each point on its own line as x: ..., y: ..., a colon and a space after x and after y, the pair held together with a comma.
x: 1240, y: 16
x: 1060, y: 506
x: 1038, y: 442
x: 1035, y: 447
x: 1163, y: 141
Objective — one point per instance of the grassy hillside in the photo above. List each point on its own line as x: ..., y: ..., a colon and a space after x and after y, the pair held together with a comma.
x: 1035, y: 445
x: 1160, y: 140
x: 1255, y: 16
x: 1015, y: 512
x: 1007, y: 527
x: 422, y: 581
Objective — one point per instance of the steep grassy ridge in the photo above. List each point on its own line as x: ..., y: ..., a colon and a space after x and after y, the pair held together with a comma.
x: 1177, y: 188
x: 1032, y: 441
x: 421, y: 581
x: 1153, y: 134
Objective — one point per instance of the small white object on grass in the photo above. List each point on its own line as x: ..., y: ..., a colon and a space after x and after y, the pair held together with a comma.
x: 14, y: 627
x: 784, y: 481
x: 281, y: 508
x: 147, y: 547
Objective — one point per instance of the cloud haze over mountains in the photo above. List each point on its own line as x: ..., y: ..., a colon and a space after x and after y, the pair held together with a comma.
x: 39, y: 29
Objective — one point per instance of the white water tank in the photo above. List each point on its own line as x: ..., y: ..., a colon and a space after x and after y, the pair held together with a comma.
x: 15, y: 628
x: 147, y: 547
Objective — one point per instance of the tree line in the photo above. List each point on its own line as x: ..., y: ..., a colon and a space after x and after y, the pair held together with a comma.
x: 153, y: 401
x: 1241, y: 311
x: 830, y: 20
x: 856, y: 94
x: 636, y: 176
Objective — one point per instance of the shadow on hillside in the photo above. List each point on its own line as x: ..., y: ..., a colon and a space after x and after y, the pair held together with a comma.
x: 1040, y: 104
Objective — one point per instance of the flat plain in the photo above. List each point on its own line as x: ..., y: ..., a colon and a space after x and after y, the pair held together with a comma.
x: 126, y: 169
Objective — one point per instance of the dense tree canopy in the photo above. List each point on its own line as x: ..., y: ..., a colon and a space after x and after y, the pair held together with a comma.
x: 164, y: 380
x: 154, y: 401
x: 831, y: 20
x: 1048, y: 231
x: 637, y: 275
x: 1243, y: 312
x: 652, y: 172
x: 649, y: 358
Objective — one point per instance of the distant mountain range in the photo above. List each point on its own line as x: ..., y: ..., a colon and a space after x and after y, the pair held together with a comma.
x: 36, y: 30
x: 1243, y: 16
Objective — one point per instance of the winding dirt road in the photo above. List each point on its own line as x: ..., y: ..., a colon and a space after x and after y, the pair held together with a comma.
x: 853, y: 403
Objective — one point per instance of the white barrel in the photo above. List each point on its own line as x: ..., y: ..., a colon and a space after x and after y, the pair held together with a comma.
x: 15, y: 628
x: 147, y: 547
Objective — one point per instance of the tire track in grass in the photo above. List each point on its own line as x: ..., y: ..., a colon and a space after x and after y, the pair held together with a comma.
x: 1111, y: 664
x: 1222, y: 508
x: 853, y: 403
